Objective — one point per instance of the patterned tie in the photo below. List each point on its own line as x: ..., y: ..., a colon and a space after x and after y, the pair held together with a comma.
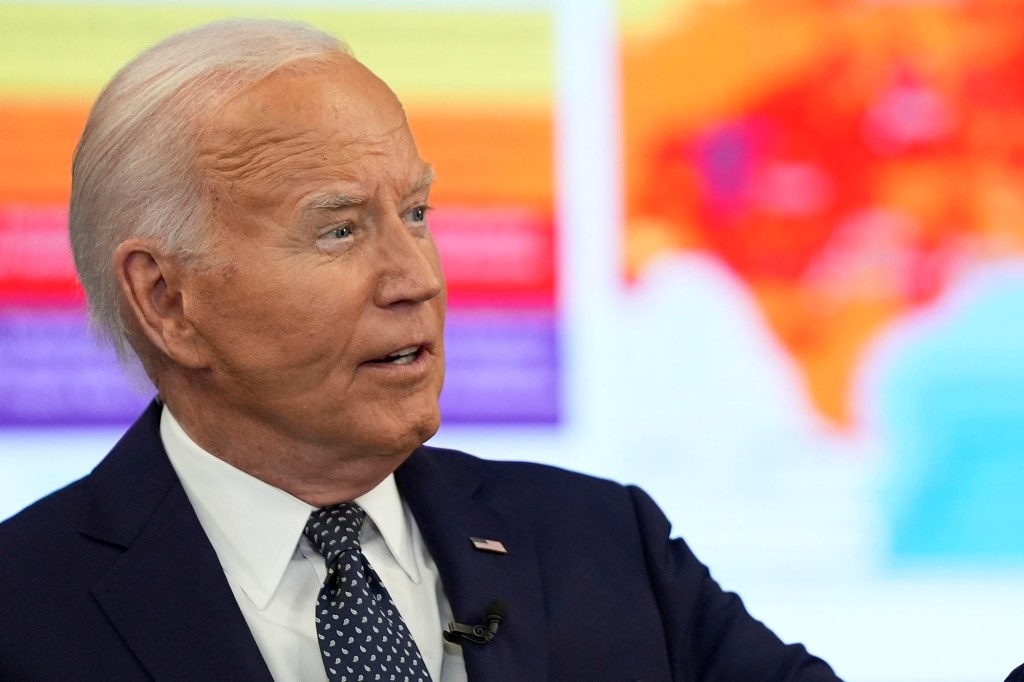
x: 362, y: 635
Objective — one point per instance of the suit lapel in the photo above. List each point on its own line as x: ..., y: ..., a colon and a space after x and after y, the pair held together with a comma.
x: 169, y: 600
x: 450, y: 507
x: 167, y: 594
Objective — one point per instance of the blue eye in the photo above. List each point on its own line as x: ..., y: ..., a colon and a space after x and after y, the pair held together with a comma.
x: 340, y: 232
x: 419, y: 214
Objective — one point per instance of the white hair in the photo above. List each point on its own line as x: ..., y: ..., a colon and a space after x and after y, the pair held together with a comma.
x: 134, y: 172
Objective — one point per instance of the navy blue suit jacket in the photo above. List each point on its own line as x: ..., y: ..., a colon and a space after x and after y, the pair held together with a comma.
x: 113, y: 578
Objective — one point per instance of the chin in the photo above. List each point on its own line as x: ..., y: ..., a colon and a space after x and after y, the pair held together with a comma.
x: 429, y: 429
x: 425, y: 429
x: 392, y: 436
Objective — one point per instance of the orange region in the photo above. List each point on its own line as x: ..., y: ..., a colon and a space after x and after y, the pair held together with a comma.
x: 830, y: 364
x: 998, y: 207
x: 647, y: 237
x: 937, y: 192
x: 490, y: 157
x: 827, y: 339
x: 710, y: 67
x: 36, y: 145
x: 481, y: 157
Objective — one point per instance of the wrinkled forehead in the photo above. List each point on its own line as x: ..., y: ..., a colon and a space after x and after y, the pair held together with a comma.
x: 302, y: 92
x: 328, y: 114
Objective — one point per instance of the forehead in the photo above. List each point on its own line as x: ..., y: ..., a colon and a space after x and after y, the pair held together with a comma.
x: 330, y: 118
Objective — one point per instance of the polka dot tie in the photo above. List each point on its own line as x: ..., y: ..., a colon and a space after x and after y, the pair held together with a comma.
x: 362, y: 636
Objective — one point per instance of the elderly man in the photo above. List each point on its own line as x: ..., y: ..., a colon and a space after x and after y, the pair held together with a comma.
x: 249, y: 218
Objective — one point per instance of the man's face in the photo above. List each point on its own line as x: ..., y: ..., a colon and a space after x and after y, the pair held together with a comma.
x: 326, y: 325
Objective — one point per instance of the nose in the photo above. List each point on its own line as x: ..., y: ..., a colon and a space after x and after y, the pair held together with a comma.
x: 410, y: 269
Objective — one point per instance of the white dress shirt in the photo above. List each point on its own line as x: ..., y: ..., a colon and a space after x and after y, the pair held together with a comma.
x: 276, y: 574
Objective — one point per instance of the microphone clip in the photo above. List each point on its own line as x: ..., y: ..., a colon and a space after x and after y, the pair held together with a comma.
x: 483, y: 633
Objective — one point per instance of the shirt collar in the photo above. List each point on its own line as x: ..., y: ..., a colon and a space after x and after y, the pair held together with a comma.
x: 255, y: 527
x: 393, y: 521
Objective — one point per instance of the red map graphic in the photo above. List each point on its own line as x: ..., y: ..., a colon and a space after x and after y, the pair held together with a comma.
x: 845, y: 159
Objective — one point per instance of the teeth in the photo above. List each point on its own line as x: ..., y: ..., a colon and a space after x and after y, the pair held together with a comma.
x: 403, y: 357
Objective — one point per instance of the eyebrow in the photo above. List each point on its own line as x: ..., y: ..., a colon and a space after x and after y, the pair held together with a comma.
x: 333, y: 201
x: 425, y: 180
x: 330, y: 202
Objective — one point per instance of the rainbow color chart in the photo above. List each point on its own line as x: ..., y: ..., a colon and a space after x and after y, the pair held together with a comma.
x: 481, y: 119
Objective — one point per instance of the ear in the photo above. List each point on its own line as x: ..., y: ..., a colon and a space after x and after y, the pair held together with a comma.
x: 152, y: 284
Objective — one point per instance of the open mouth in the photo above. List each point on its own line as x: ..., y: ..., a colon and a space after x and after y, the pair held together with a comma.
x: 401, y: 357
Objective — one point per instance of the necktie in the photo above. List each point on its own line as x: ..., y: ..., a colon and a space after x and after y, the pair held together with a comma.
x: 362, y: 636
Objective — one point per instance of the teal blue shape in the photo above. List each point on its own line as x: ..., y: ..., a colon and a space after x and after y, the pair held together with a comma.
x: 952, y: 408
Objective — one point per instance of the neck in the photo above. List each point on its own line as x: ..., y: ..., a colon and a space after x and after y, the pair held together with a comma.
x: 314, y: 473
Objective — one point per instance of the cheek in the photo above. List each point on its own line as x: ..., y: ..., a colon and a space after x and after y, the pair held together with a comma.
x: 259, y: 317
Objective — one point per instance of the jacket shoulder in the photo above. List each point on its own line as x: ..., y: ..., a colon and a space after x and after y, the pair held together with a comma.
x: 541, y: 484
x: 516, y: 471
x: 38, y: 526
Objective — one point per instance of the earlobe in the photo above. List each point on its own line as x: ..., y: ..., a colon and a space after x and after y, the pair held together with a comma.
x: 151, y: 286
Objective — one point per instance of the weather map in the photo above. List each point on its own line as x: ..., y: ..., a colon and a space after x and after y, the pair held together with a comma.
x: 857, y: 166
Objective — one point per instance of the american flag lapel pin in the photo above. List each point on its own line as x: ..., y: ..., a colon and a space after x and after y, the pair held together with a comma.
x: 485, y: 545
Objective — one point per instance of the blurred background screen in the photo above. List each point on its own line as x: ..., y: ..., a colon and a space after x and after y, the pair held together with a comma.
x: 763, y: 258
